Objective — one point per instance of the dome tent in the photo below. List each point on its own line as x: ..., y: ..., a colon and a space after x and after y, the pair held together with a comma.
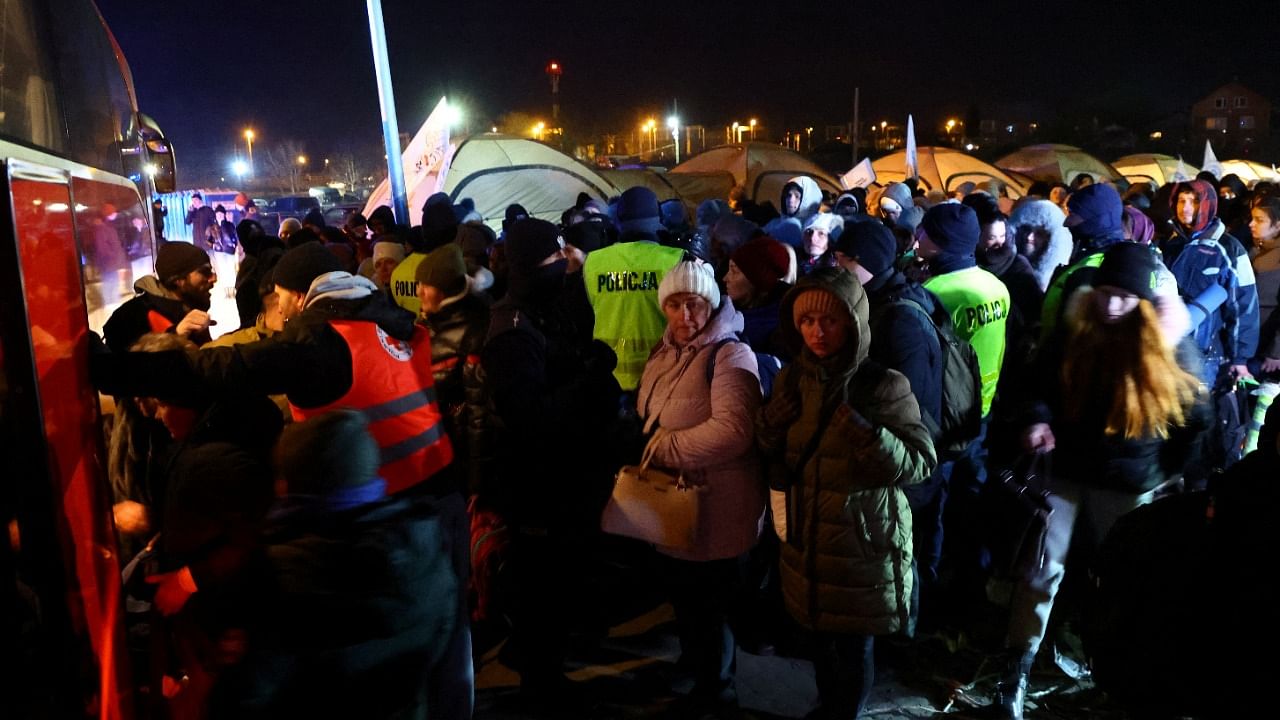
x: 1056, y: 163
x: 943, y: 168
x: 1153, y: 167
x: 762, y: 168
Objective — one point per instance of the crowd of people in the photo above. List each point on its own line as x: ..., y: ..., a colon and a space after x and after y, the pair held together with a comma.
x: 411, y: 437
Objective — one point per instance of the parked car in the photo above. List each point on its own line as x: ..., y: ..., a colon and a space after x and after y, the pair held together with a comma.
x: 337, y: 215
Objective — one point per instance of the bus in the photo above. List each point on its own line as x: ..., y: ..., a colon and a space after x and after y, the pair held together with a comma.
x: 80, y: 166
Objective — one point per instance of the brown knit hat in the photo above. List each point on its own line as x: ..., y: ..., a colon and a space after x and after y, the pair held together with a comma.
x: 818, y: 300
x: 443, y: 269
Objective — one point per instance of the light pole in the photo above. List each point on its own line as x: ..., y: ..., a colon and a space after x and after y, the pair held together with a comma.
x: 737, y: 136
x: 951, y: 125
x: 753, y: 129
x: 248, y: 138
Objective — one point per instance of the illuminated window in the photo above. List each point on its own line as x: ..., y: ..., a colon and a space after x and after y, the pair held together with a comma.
x: 1215, y: 123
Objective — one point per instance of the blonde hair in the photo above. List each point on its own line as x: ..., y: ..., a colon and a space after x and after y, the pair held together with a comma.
x: 1129, y: 362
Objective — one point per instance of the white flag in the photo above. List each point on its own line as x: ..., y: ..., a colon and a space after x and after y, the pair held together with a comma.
x: 426, y: 161
x: 913, y: 165
x: 1211, y: 161
x: 862, y: 175
x: 1180, y: 174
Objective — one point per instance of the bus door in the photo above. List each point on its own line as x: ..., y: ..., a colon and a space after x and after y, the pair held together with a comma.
x: 60, y: 591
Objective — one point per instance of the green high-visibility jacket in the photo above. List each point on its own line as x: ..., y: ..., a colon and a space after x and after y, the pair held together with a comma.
x: 979, y: 304
x: 404, y: 283
x: 622, y: 284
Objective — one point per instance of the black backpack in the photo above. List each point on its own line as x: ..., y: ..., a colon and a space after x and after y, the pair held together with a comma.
x: 961, y: 385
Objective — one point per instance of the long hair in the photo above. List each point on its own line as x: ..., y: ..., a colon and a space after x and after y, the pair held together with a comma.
x: 1126, y: 370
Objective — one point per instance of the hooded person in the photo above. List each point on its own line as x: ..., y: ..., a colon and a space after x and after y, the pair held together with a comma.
x: 176, y: 298
x: 801, y: 198
x: 476, y: 239
x: 818, y: 235
x: 842, y: 427
x: 1138, y: 227
x: 1201, y: 255
x: 893, y: 201
x: 1096, y: 222
x: 997, y: 254
x: 337, y: 544
x: 545, y: 379
x: 851, y: 203
x: 622, y: 285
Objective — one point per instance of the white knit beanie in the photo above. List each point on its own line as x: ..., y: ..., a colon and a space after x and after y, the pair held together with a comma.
x: 826, y: 222
x: 388, y: 249
x: 690, y: 276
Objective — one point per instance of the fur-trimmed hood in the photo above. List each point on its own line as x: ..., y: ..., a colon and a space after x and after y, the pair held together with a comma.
x: 1042, y: 214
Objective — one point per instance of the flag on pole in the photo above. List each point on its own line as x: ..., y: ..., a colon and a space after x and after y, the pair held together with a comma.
x: 426, y: 162
x: 913, y: 165
x: 1211, y: 161
x: 1180, y: 174
x: 862, y: 175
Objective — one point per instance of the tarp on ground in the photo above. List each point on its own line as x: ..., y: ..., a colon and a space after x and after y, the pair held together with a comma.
x: 944, y: 168
x: 690, y: 187
x: 1152, y: 167
x: 762, y: 168
x: 1250, y: 171
x: 1056, y: 163
x: 496, y: 171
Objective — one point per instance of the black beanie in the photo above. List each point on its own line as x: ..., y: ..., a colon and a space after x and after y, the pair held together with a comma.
x: 439, y: 226
x: 952, y: 227
x: 870, y: 243
x: 1130, y: 267
x: 302, y: 265
x: 177, y: 259
x: 529, y: 242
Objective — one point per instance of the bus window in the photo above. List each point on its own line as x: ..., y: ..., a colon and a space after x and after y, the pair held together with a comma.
x: 28, y: 103
x: 115, y: 240
x: 62, y: 533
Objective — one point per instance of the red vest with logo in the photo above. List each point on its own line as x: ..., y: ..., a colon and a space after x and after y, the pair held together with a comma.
x: 391, y: 383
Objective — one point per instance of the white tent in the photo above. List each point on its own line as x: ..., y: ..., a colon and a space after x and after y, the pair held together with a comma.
x: 498, y: 170
x: 1250, y: 171
x: 1153, y: 167
x: 689, y: 187
x: 943, y: 168
x: 762, y: 168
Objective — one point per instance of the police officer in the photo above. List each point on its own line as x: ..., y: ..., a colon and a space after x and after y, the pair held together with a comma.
x: 622, y: 285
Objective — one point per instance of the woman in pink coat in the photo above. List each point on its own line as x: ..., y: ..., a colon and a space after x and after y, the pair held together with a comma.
x: 698, y: 396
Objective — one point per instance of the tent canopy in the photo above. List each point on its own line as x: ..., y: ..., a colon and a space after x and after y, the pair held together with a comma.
x: 1056, y: 163
x: 1250, y: 171
x: 762, y: 168
x: 943, y: 168
x: 1152, y: 167
x: 498, y: 170
x: 690, y: 187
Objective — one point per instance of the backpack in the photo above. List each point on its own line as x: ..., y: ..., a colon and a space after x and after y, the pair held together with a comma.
x: 961, y: 386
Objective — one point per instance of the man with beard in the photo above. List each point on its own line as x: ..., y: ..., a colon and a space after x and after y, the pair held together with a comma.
x: 175, y: 299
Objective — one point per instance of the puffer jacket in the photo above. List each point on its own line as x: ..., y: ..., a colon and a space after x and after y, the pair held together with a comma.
x: 706, y: 432
x: 846, y: 564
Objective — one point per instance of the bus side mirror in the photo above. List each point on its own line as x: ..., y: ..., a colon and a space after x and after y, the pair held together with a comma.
x: 160, y: 165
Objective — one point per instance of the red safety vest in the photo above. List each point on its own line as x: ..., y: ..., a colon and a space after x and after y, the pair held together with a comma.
x: 391, y: 384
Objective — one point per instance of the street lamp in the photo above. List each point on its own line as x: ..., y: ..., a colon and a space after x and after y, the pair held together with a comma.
x: 239, y: 168
x: 302, y: 159
x: 753, y: 129
x: 737, y: 135
x: 537, y: 130
x: 673, y: 122
x: 248, y: 138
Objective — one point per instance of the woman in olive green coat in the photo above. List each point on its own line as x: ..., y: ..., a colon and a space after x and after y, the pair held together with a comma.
x: 843, y: 435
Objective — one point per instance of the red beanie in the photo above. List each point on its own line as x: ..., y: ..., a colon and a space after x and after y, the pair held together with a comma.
x: 763, y: 260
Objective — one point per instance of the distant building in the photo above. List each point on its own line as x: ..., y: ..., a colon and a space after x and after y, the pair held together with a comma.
x: 1000, y: 124
x: 1234, y: 117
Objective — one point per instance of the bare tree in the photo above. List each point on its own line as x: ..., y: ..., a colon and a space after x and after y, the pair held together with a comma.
x: 283, y: 162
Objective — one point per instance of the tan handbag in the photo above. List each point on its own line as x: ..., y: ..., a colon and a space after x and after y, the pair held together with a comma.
x: 652, y: 505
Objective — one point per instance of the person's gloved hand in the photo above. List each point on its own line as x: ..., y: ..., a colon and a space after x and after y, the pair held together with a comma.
x: 175, y: 588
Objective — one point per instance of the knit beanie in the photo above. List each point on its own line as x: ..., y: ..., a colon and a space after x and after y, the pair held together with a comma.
x: 529, y: 242
x: 439, y: 226
x: 1095, y: 212
x: 763, y: 260
x: 177, y: 259
x: 638, y: 211
x: 952, y: 227
x: 690, y: 276
x: 821, y: 301
x: 871, y: 244
x: 898, y: 194
x: 1130, y: 267
x: 443, y: 269
x: 387, y: 249
x: 302, y: 265
x: 673, y: 213
x: 827, y: 222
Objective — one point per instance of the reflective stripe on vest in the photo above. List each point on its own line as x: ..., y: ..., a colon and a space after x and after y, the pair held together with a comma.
x: 392, y: 386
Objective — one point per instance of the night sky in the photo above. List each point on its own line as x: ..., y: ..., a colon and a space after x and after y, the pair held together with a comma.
x: 303, y: 69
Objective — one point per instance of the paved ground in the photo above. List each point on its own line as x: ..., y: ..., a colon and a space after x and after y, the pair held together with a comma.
x: 627, y: 675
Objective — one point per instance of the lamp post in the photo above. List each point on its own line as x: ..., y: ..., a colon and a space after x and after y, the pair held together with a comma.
x: 753, y: 129
x: 737, y: 136
x: 248, y: 138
